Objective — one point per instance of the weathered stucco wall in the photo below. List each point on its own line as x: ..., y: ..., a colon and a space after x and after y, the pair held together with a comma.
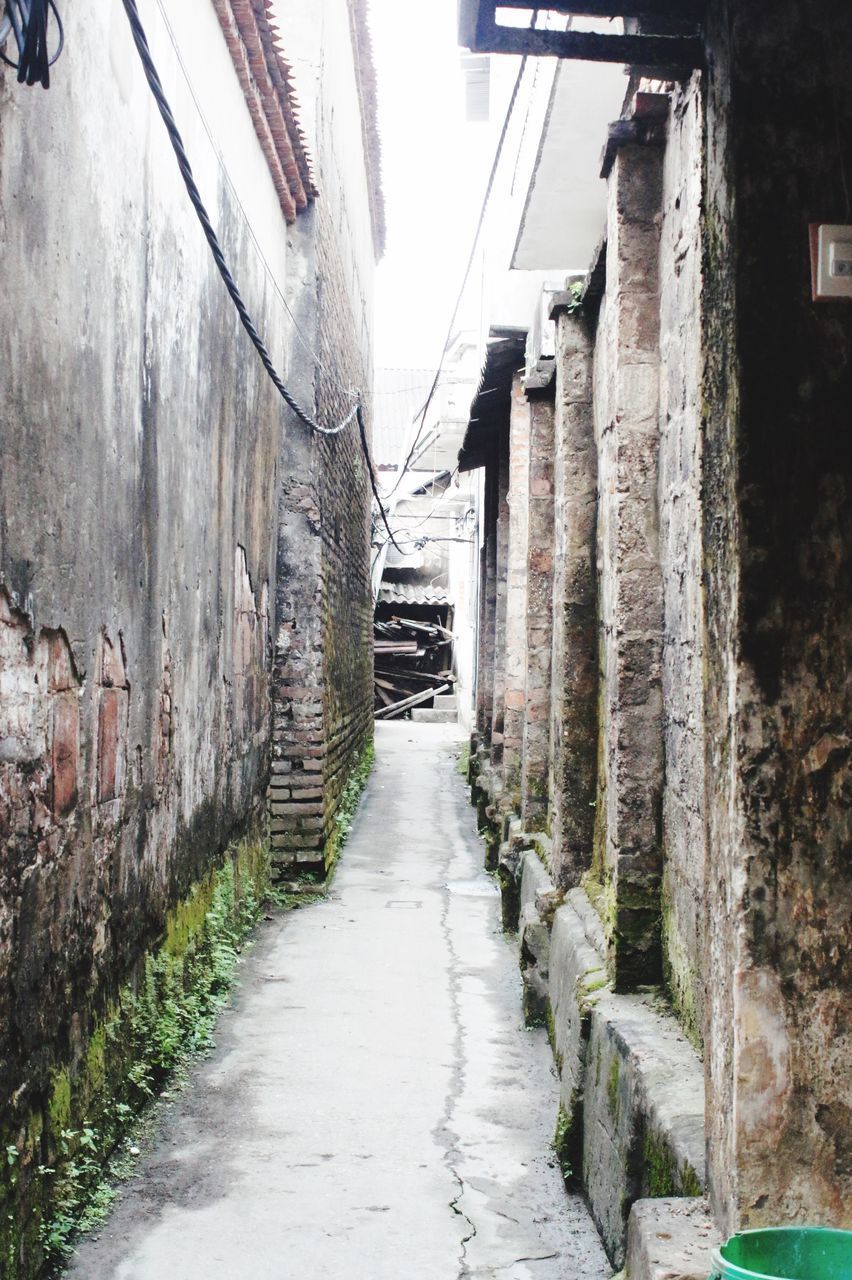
x: 680, y: 556
x: 777, y: 554
x: 139, y: 438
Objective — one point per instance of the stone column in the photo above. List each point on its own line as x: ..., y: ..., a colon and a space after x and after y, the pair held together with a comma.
x: 539, y: 619
x: 516, y: 602
x: 628, y: 852
x: 573, y: 711
x: 501, y: 593
x: 487, y: 609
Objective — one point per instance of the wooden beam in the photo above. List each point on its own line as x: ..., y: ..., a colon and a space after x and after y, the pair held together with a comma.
x: 677, y: 10
x: 669, y: 53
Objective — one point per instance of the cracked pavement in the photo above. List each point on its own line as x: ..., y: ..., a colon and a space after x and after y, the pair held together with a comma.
x: 375, y: 1107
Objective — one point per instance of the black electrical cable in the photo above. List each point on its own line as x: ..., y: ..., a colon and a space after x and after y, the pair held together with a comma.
x: 28, y: 21
x: 373, y: 484
x: 155, y: 84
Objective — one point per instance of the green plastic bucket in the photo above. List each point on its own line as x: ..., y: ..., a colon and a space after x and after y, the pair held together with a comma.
x: 785, y: 1253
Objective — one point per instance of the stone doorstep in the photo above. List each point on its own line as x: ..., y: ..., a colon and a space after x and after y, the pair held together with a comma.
x: 670, y: 1239
x: 630, y: 1083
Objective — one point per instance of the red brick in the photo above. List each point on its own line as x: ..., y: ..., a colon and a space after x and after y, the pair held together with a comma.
x: 111, y: 726
x: 64, y: 753
x: 60, y: 665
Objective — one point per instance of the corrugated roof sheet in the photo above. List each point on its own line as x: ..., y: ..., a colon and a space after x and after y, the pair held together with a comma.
x: 412, y: 593
x: 398, y: 395
x: 491, y: 404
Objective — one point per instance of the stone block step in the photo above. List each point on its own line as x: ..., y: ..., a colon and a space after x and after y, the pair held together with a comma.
x: 429, y: 715
x: 670, y: 1237
x: 445, y: 701
x: 632, y: 1086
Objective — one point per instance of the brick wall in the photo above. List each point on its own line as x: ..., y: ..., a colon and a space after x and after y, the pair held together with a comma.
x: 344, y: 496
x: 323, y: 696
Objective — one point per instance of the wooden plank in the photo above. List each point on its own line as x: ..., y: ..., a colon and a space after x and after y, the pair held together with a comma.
x: 388, y: 713
x: 386, y: 698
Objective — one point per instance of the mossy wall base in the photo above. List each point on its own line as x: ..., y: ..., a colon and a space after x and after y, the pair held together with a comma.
x: 54, y: 1156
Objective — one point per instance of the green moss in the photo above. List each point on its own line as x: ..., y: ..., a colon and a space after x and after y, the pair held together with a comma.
x: 660, y: 1169
x: 680, y: 975
x: 661, y: 1175
x: 58, y: 1181
x: 563, y: 1142
x: 347, y: 806
x: 612, y: 1089
x: 551, y: 1032
x: 464, y: 760
x: 59, y: 1104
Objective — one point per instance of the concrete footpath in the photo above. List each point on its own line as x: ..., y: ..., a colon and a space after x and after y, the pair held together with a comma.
x: 375, y: 1108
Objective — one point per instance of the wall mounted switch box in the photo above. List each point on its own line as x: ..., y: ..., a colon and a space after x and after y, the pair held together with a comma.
x: 831, y: 261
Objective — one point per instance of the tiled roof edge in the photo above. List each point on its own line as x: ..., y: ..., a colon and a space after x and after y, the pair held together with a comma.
x: 266, y: 80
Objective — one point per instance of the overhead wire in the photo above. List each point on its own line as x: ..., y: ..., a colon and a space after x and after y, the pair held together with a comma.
x: 495, y: 164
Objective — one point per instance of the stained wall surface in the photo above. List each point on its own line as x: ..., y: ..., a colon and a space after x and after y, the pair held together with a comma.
x: 146, y: 462
x: 777, y: 554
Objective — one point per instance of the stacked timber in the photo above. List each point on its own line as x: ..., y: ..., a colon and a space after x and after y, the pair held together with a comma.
x: 413, y: 663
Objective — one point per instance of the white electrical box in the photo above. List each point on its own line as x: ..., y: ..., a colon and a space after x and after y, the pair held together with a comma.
x: 832, y: 261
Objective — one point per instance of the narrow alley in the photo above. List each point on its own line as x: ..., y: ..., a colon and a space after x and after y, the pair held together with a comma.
x: 375, y: 1106
x: 425, y: 616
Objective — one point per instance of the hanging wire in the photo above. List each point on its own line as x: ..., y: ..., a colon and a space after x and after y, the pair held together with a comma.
x: 155, y: 84
x: 27, y: 20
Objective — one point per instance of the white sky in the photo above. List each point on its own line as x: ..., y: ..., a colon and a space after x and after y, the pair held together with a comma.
x: 434, y: 167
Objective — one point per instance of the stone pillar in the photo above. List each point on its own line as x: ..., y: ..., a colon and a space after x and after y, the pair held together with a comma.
x: 487, y: 609
x: 573, y: 711
x: 501, y: 592
x: 516, y: 602
x: 777, y: 480
x: 539, y: 619
x: 628, y: 854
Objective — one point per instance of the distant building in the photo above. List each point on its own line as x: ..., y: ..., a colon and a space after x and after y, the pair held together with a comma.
x: 430, y: 574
